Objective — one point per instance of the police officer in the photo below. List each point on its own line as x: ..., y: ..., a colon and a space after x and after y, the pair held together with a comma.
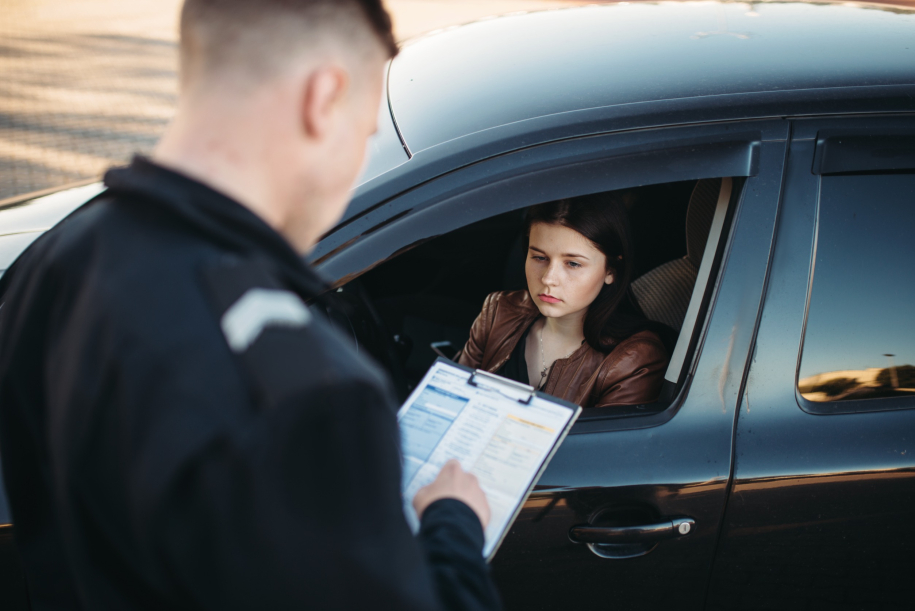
x: 178, y: 429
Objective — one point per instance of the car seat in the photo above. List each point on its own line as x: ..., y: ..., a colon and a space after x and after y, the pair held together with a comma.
x: 664, y: 293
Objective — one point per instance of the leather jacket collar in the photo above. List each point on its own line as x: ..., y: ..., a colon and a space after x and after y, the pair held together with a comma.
x: 631, y: 374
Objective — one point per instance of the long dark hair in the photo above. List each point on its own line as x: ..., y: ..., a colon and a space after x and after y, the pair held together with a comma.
x: 613, y: 315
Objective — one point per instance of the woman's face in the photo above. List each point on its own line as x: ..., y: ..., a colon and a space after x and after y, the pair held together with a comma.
x: 565, y: 271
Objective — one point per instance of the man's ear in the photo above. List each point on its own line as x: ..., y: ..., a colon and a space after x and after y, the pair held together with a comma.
x: 324, y: 92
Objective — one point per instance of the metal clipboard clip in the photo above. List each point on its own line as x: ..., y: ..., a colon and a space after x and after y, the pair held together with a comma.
x: 516, y: 391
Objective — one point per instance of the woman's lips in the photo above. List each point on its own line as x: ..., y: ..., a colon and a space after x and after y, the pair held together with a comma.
x: 548, y: 298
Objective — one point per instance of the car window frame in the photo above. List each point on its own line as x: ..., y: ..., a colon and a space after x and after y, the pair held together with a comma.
x: 630, y: 159
x: 848, y: 151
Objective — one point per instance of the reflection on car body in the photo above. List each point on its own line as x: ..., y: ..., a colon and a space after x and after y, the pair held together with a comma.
x: 782, y: 435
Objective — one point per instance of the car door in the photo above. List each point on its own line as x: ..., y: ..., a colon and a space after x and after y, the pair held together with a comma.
x: 823, y: 495
x: 13, y: 595
x: 628, y: 512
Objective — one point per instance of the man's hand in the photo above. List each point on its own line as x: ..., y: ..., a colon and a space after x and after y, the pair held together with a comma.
x: 454, y: 483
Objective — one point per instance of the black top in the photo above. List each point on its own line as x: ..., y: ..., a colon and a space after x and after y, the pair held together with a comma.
x: 515, y: 368
x: 179, y: 431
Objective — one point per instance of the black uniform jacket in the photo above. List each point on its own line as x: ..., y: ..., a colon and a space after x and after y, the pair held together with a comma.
x: 179, y: 431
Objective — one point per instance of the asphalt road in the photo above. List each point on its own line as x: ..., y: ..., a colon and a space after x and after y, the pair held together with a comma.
x: 85, y: 85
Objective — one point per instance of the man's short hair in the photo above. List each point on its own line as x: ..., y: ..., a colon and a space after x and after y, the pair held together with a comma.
x: 256, y: 36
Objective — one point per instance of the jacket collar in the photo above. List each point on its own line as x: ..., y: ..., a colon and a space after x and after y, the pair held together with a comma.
x: 518, y: 313
x: 214, y: 216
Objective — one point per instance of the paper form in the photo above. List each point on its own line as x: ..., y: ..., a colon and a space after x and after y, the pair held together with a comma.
x: 500, y: 440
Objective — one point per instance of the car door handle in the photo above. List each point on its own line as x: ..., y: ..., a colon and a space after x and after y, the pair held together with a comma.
x: 646, y: 533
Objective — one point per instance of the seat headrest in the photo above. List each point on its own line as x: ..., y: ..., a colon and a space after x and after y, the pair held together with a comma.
x: 664, y: 293
x: 699, y: 215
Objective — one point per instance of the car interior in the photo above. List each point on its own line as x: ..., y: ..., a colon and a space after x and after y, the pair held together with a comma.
x: 420, y: 304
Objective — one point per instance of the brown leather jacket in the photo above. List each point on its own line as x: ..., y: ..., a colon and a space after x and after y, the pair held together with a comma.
x: 629, y: 375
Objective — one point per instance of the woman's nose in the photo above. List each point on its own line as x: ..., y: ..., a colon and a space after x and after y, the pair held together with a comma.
x: 549, y: 276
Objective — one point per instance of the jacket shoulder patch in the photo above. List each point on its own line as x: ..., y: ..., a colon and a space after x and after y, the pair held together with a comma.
x: 258, y: 309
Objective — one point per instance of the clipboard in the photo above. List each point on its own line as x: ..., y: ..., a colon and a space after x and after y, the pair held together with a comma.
x: 503, y: 431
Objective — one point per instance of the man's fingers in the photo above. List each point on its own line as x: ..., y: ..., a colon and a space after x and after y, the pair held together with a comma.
x: 452, y: 467
x: 453, y: 482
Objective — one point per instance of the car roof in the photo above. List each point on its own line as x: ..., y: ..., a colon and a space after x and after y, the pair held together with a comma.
x: 509, y: 69
x: 24, y: 219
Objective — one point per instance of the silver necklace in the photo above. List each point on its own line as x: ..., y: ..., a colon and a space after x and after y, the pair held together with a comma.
x: 546, y: 369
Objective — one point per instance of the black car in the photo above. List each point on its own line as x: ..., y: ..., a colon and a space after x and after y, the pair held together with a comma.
x: 767, y: 155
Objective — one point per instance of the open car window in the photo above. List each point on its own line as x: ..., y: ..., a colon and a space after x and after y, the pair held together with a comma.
x: 427, y: 298
x: 422, y: 263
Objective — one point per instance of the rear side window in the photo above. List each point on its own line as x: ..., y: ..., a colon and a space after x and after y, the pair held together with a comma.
x: 859, y: 342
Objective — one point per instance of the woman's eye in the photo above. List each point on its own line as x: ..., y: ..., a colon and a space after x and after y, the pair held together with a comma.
x: 574, y: 264
x: 538, y: 258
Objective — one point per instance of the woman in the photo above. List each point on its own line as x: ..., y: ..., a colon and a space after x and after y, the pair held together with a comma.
x: 575, y: 333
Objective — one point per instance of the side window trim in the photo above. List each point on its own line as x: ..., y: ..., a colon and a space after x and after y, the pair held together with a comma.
x: 677, y: 359
x: 476, y: 193
x: 860, y: 151
x: 576, y: 167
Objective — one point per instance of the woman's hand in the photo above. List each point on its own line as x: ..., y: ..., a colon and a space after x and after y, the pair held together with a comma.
x: 454, y: 483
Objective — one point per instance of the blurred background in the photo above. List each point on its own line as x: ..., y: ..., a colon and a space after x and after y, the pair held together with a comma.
x: 84, y: 85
